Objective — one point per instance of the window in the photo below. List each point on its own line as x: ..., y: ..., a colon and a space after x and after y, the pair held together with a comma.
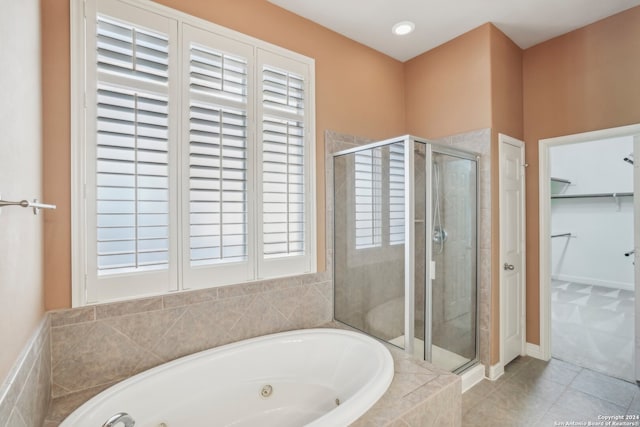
x: 379, y: 196
x: 396, y: 194
x: 283, y: 107
x: 368, y: 198
x: 132, y: 146
x: 194, y: 150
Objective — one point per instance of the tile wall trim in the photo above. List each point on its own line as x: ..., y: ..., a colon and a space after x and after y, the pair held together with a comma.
x: 25, y: 394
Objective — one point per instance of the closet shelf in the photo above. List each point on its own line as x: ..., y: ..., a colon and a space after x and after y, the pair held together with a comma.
x: 561, y: 235
x: 562, y: 180
x: 593, y: 195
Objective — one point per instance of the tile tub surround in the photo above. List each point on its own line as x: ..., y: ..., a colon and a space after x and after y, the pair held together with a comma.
x: 419, y: 396
x: 25, y: 395
x: 94, y: 347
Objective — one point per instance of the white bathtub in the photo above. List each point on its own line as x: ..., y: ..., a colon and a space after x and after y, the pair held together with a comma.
x: 309, y: 371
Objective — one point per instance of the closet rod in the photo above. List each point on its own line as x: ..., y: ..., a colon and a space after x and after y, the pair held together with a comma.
x: 585, y: 196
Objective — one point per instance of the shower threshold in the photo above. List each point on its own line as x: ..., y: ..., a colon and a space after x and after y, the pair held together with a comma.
x: 440, y: 357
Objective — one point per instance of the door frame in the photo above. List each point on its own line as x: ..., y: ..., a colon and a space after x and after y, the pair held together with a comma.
x: 544, y: 190
x: 505, y: 139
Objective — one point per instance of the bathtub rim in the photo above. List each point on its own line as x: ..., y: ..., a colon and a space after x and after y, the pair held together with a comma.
x: 362, y: 400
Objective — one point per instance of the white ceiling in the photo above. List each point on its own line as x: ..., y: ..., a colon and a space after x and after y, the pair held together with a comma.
x: 526, y: 22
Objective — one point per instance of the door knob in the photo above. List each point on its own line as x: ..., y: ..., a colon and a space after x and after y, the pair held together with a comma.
x: 508, y: 266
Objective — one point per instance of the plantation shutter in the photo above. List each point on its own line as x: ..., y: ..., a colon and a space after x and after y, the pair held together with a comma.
x: 132, y: 182
x: 129, y: 170
x: 193, y: 152
x: 285, y: 162
x: 368, y: 198
x: 132, y: 150
x: 218, y: 158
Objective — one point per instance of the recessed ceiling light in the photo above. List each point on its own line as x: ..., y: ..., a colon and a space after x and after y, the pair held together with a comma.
x: 403, y: 28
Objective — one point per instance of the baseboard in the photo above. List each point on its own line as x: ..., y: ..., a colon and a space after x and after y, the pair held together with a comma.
x: 593, y: 281
x: 472, y: 376
x: 533, y: 350
x: 496, y: 371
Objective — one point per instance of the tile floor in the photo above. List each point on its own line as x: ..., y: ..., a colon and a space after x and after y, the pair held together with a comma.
x: 592, y: 326
x: 543, y: 394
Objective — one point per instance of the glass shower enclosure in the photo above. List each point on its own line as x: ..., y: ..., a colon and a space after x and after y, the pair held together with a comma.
x: 405, y: 247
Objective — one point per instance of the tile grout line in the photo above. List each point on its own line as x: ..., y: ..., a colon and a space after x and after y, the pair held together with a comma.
x: 564, y: 390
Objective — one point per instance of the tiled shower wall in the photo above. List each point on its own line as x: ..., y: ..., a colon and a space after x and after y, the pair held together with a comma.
x: 479, y: 142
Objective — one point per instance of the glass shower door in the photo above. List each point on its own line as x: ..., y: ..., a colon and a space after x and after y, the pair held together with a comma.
x: 369, y: 257
x: 453, y: 240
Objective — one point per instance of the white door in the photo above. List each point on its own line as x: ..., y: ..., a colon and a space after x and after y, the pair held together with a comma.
x: 512, y: 244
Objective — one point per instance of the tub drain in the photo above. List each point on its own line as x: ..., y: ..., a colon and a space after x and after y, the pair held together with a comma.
x: 266, y: 391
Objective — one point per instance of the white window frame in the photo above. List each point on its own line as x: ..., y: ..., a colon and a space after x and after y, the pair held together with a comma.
x: 179, y: 278
x: 224, y: 273
x: 286, y: 266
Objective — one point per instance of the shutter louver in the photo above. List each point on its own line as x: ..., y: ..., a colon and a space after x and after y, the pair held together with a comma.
x: 368, y: 198
x: 125, y: 50
x: 219, y: 75
x: 283, y: 164
x: 396, y: 194
x: 132, y: 149
x: 282, y: 91
x: 217, y: 157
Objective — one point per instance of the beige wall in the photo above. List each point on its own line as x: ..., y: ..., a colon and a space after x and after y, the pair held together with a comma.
x: 507, y: 118
x: 471, y: 82
x: 585, y: 80
x: 56, y: 150
x: 448, y: 89
x: 21, y: 293
x: 506, y: 85
x: 358, y: 91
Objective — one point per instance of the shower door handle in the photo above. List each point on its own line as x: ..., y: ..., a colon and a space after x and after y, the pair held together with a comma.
x: 508, y: 266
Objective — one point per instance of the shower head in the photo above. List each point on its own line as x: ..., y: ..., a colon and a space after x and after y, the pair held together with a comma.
x: 628, y: 160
